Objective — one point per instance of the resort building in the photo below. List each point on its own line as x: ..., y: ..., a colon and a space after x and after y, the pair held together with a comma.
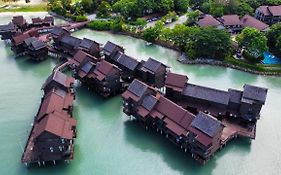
x: 68, y: 44
x: 209, y: 21
x: 244, y: 105
x: 127, y: 64
x: 8, y: 31
x: 52, y: 136
x: 153, y: 72
x: 17, y: 43
x: 20, y: 22
x: 80, y: 58
x: 110, y: 49
x: 91, y: 47
x: 57, y: 33
x: 268, y: 14
x: 36, y: 48
x: 200, y: 133
x: 232, y: 23
x: 249, y: 21
x: 104, y: 78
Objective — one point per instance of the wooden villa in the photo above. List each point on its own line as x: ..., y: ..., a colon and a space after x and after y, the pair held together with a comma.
x: 17, y: 43
x: 8, y: 31
x: 57, y: 33
x: 20, y: 22
x: 91, y: 47
x: 36, y: 48
x: 68, y: 44
x: 110, y: 50
x: 52, y: 136
x: 153, y: 73
x: 80, y: 58
x: 104, y: 78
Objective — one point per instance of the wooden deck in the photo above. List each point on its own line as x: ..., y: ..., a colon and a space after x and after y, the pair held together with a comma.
x: 233, y: 130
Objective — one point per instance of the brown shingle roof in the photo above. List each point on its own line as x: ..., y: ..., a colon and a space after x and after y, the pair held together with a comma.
x: 19, y: 39
x: 264, y: 10
x: 176, y: 81
x: 231, y: 20
x: 249, y: 21
x: 275, y: 10
x: 208, y: 21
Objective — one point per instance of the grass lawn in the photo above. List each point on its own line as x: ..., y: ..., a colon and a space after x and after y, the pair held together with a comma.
x: 27, y: 8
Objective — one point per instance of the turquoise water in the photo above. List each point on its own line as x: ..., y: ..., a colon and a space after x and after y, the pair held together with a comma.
x: 270, y: 59
x: 108, y: 144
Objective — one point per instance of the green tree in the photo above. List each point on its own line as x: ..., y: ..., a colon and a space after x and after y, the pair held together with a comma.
x: 217, y: 10
x: 104, y: 10
x: 127, y: 8
x: 181, y: 5
x: 192, y: 17
x: 254, y: 42
x: 152, y: 33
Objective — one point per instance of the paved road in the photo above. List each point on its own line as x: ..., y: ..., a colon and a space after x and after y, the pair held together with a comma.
x: 182, y: 19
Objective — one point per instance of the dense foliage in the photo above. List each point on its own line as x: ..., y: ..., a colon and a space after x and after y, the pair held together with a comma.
x: 254, y: 42
x: 274, y: 38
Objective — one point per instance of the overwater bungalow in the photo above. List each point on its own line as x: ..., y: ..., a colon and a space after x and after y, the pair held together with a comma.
x: 36, y: 22
x: 127, y: 64
x: 52, y: 136
x: 57, y: 33
x: 91, y: 47
x: 110, y: 50
x: 80, y: 58
x: 18, y: 43
x: 20, y: 22
x: 58, y: 80
x: 153, y: 72
x: 68, y: 44
x: 8, y: 31
x: 49, y: 21
x: 104, y: 78
x: 36, y: 48
x: 245, y: 105
x: 200, y: 134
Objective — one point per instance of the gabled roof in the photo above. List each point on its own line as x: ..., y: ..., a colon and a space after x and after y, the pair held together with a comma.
x: 49, y: 19
x: 275, y: 10
x: 207, y: 94
x: 109, y: 47
x: 177, y: 81
x: 60, y: 78
x: 19, y: 20
x: 37, y: 20
x: 38, y: 44
x: 235, y: 95
x: 70, y: 40
x: 57, y: 31
x: 264, y: 10
x: 87, y: 44
x: 249, y: 21
x: 207, y: 124
x: 19, y: 39
x: 208, y: 21
x: 104, y: 68
x: 87, y: 67
x: 152, y: 65
x: 81, y: 57
x: 149, y: 102
x: 28, y: 41
x: 254, y: 93
x: 7, y: 27
x: 128, y: 62
x: 138, y: 88
x: 57, y: 124
x: 231, y: 20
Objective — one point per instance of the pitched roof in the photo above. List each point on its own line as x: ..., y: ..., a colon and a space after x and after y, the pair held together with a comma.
x: 249, y: 21
x: 104, y: 68
x: 149, y: 102
x: 7, y: 27
x: 235, y: 95
x: 87, y: 43
x: 60, y: 78
x: 254, y: 93
x: 81, y: 56
x: 128, y: 62
x: 36, y: 20
x: 137, y: 87
x: 176, y: 80
x: 207, y: 124
x: 231, y: 20
x: 152, y: 65
x: 70, y: 40
x: 109, y: 47
x: 18, y: 20
x: 275, y: 10
x: 19, y: 39
x: 207, y: 21
x: 207, y: 94
x: 264, y: 10
x: 57, y: 31
x: 49, y: 19
x: 38, y: 44
x: 57, y: 124
x: 28, y: 41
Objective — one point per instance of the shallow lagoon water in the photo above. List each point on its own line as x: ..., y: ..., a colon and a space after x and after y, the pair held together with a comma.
x: 109, y: 144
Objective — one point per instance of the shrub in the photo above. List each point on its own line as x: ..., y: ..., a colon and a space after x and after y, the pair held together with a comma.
x: 100, y: 25
x: 80, y: 18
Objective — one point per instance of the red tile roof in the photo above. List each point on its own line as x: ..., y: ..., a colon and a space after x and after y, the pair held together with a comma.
x: 104, y: 69
x: 275, y: 10
x: 19, y: 39
x: 249, y: 21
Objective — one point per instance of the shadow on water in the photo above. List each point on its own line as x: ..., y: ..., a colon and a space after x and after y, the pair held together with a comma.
x: 240, y: 77
x: 176, y: 158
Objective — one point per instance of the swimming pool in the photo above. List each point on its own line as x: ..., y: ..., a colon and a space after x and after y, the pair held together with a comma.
x: 270, y: 59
